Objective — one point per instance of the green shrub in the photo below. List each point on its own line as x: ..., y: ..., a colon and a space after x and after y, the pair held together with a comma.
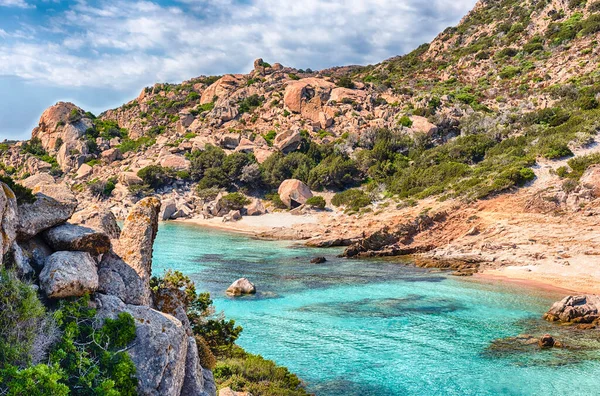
x: 249, y: 103
x: 21, y: 315
x: 335, y: 171
x: 136, y: 145
x: 509, y: 72
x: 345, y: 82
x: 405, y: 121
x: 276, y: 200
x: 22, y: 194
x: 102, y: 188
x: 270, y: 136
x: 207, y: 194
x: 316, y: 202
x: 580, y: 164
x: 42, y: 380
x: 245, y: 372
x: 155, y: 176
x: 93, y: 359
x: 353, y: 199
x: 591, y: 25
x: 234, y: 201
x: 34, y: 147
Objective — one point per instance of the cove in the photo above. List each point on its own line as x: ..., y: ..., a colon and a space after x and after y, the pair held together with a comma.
x: 374, y: 327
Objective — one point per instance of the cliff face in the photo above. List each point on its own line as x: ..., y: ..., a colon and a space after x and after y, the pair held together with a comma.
x: 69, y: 257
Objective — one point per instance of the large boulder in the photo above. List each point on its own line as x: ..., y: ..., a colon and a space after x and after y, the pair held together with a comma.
x: 177, y: 162
x: 37, y: 251
x: 294, y: 193
x: 72, y: 155
x: 221, y: 88
x: 298, y: 94
x: 98, y: 218
x: 129, y: 179
x: 118, y: 279
x: 137, y: 238
x: 288, y: 141
x: 36, y: 180
x: 168, y: 208
x: 54, y: 205
x: 346, y: 94
x: 241, y: 287
x: 422, y: 125
x: 62, y: 122
x: 256, y: 208
x: 160, y: 349
x: 575, y: 309
x: 77, y: 238
x: 111, y: 155
x: 84, y: 171
x: 69, y: 274
x: 591, y: 179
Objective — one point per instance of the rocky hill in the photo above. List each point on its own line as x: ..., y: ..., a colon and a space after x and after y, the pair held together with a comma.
x: 476, y: 152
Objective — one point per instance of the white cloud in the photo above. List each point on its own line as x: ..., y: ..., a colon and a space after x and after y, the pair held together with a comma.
x: 15, y: 3
x: 127, y: 44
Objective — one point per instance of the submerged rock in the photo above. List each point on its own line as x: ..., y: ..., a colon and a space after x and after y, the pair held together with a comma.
x: 241, y: 287
x: 69, y: 274
x: 318, y: 260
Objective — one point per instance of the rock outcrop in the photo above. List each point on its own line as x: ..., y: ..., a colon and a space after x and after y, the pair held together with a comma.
x: 8, y: 217
x: 240, y: 287
x: 575, y: 309
x: 54, y: 205
x: 69, y: 274
x: 294, y: 193
x: 98, y: 218
x: 77, y: 238
x: 137, y: 239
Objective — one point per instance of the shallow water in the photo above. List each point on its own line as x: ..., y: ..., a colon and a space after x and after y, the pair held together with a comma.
x: 376, y: 327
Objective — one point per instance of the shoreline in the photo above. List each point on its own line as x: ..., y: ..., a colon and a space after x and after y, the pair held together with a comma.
x: 254, y: 226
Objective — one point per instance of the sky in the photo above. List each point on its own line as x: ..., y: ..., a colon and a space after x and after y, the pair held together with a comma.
x: 100, y: 54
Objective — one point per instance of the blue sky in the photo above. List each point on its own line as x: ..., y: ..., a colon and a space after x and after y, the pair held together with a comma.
x: 100, y: 54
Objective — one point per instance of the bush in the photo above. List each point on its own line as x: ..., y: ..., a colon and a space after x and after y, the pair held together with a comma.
x: 101, y: 188
x: 200, y: 161
x: 335, y: 171
x: 37, y: 380
x: 207, y: 194
x: 353, y: 199
x: 316, y: 202
x: 405, y: 121
x: 234, y: 201
x: 22, y: 194
x: 155, y: 176
x: 345, y: 82
x: 33, y: 147
x: 245, y: 372
x: 93, y: 359
x: 21, y: 315
x: 248, y: 104
x: 276, y: 200
x: 591, y: 25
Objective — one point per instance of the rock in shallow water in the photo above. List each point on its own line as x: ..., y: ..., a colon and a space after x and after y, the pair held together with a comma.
x: 575, y: 309
x: 241, y: 287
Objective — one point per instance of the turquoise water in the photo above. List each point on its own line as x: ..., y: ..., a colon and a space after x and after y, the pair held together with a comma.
x: 377, y: 327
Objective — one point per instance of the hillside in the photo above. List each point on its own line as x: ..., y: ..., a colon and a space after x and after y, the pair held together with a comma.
x: 500, y: 104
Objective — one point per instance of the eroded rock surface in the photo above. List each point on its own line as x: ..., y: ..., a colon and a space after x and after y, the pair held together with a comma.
x: 69, y: 274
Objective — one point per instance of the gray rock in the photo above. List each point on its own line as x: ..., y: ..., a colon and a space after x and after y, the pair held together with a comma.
x: 575, y: 309
x: 37, y: 251
x: 116, y: 278
x: 54, y: 205
x: 99, y: 219
x: 77, y: 238
x: 37, y: 180
x: 240, y: 287
x: 233, y: 215
x: 167, y: 209
x: 193, y: 382
x: 21, y: 262
x: 160, y: 348
x: 256, y: 208
x: 69, y: 274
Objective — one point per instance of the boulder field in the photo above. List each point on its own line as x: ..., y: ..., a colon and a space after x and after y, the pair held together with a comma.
x: 68, y: 255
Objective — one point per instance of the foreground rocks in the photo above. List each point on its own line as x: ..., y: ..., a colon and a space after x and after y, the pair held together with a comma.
x: 77, y: 238
x: 241, y: 287
x: 54, y: 205
x: 69, y: 274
